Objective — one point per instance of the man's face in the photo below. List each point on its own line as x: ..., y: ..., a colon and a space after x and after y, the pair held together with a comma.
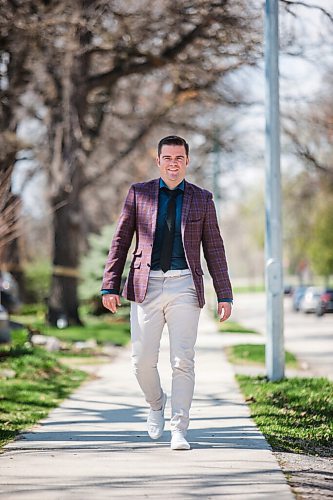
x: 172, y: 163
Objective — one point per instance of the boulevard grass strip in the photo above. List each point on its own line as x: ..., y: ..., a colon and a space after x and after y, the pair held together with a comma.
x: 234, y: 327
x: 37, y: 383
x: 254, y: 354
x: 295, y: 414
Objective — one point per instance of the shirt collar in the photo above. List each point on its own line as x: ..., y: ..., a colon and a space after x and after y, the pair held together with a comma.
x: 180, y: 186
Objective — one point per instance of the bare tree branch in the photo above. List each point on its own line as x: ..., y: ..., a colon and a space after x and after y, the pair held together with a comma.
x: 291, y: 3
x: 303, y: 151
x: 151, y: 61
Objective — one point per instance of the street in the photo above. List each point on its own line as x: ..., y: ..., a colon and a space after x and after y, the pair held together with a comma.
x: 308, y: 337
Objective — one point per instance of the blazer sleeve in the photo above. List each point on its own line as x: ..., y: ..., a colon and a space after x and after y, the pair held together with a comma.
x: 214, y: 252
x: 121, y: 243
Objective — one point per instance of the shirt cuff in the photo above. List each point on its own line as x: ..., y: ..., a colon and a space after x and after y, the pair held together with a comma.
x: 226, y: 300
x: 111, y: 290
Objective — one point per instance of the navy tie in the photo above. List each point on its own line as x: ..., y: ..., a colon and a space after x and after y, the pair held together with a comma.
x: 169, y: 231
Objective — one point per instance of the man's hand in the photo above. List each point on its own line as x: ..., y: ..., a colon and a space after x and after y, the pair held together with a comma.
x: 224, y: 310
x: 111, y: 301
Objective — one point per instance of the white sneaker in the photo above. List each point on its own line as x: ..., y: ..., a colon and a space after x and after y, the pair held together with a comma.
x: 155, y: 421
x: 178, y: 441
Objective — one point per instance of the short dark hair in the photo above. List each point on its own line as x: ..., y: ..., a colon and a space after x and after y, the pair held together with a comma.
x: 172, y: 140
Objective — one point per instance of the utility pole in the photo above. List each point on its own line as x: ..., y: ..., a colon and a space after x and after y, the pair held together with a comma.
x: 273, y: 240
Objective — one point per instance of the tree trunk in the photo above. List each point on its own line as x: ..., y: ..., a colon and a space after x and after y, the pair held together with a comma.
x: 63, y: 300
x: 68, y: 130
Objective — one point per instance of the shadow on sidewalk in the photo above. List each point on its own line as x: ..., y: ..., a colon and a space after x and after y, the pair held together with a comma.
x: 208, y: 485
x: 233, y: 437
x: 88, y: 428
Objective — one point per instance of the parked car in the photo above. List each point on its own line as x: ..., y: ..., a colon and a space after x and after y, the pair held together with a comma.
x: 288, y: 289
x: 310, y: 301
x: 297, y: 296
x: 325, y: 304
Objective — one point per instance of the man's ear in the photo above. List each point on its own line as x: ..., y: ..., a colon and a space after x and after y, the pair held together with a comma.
x: 157, y: 160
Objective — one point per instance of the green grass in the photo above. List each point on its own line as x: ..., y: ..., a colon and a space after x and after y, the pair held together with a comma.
x: 32, y: 309
x: 40, y: 383
x: 254, y: 354
x: 104, y: 329
x: 234, y: 327
x: 113, y: 333
x: 295, y: 415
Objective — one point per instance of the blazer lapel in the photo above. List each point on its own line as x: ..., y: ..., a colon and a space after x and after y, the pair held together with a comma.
x: 187, y: 198
x: 154, y: 205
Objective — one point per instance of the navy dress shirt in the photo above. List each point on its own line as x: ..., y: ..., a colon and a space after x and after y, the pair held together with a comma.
x: 178, y: 260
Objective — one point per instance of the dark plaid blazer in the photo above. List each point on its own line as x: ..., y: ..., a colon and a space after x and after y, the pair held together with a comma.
x: 199, y: 226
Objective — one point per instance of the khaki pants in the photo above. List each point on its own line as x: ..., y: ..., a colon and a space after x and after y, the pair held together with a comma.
x: 171, y: 298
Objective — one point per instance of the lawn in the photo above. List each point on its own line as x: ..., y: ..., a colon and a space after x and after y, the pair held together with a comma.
x: 234, y: 327
x: 33, y: 382
x: 105, y: 329
x: 254, y: 354
x: 295, y: 414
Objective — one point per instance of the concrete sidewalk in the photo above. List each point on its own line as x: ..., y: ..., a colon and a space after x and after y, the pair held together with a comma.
x: 96, y: 446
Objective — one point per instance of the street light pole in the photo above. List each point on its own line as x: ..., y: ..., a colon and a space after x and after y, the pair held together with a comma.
x: 273, y: 239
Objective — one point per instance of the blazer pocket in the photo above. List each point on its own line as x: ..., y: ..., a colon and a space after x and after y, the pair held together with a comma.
x: 136, y: 261
x: 199, y: 271
x: 197, y: 219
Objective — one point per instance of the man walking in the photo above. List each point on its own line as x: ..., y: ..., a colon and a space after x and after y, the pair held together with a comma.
x: 171, y: 219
